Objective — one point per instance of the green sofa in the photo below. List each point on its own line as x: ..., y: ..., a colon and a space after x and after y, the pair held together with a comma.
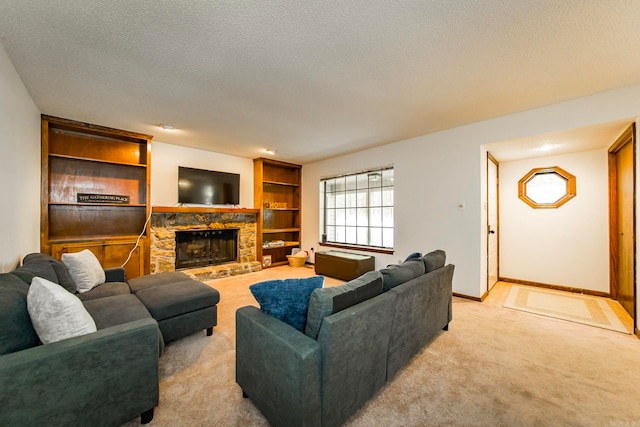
x: 322, y: 376
x: 102, y: 378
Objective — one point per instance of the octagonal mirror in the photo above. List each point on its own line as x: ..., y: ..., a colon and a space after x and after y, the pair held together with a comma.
x: 547, y: 187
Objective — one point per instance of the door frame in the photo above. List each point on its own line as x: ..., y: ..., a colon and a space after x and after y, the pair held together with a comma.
x: 492, y: 159
x: 628, y: 136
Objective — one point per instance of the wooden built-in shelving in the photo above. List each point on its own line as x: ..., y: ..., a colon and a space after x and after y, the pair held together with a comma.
x: 84, y: 158
x: 277, y: 194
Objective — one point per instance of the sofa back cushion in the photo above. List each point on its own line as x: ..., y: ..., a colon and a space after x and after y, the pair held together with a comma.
x: 395, y: 275
x: 286, y: 299
x: 16, y: 330
x: 60, y: 269
x: 434, y: 260
x: 327, y: 301
x: 32, y: 269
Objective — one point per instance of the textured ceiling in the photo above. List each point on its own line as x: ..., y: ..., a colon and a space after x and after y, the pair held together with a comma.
x: 313, y: 79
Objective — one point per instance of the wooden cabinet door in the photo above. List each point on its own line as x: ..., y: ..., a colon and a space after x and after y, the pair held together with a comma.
x: 112, y: 253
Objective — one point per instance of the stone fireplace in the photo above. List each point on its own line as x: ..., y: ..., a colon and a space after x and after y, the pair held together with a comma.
x: 201, y: 248
x: 204, y: 243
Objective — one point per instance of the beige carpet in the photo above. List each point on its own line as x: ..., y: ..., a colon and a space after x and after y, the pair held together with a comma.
x: 585, y: 309
x: 494, y: 367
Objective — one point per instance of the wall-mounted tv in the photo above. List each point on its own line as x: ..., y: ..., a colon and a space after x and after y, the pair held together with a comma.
x: 206, y: 187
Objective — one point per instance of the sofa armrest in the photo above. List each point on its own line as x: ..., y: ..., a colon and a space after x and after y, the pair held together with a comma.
x: 278, y: 367
x: 115, y: 274
x: 103, y: 378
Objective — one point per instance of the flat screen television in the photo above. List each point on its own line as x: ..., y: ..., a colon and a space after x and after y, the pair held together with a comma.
x: 206, y: 187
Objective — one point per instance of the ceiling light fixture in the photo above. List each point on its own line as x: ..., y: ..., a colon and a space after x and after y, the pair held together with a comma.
x: 167, y: 126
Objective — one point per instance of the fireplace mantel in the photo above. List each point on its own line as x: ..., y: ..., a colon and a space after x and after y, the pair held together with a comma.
x: 200, y: 209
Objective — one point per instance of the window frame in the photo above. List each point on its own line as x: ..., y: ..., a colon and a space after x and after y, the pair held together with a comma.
x: 570, y: 190
x: 357, y: 191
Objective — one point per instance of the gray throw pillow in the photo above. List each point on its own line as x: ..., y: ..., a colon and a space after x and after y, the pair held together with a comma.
x: 85, y: 270
x: 323, y: 301
x: 55, y: 313
x: 434, y: 260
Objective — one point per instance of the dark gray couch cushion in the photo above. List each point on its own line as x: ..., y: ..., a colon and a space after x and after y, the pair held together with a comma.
x: 118, y: 310
x: 60, y: 269
x: 178, y: 298
x: 152, y: 280
x: 36, y: 268
x: 107, y: 289
x: 321, y: 303
x: 16, y: 330
x: 395, y: 275
x: 434, y: 260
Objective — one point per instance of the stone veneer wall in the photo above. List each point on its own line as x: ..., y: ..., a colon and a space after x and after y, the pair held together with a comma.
x: 163, y: 243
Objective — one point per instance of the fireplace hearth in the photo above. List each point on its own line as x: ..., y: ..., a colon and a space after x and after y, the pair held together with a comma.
x: 201, y: 248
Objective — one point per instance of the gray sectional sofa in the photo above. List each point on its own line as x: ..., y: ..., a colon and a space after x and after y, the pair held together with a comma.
x: 322, y: 376
x: 103, y: 378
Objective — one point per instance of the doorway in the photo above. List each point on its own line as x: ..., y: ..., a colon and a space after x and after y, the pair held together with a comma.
x: 492, y: 222
x: 622, y: 239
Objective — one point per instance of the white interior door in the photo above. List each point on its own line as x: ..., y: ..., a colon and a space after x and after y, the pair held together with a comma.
x: 492, y: 222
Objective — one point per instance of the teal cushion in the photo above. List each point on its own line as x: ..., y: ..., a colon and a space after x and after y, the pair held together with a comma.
x: 287, y: 299
x: 414, y: 255
x: 16, y: 329
x: 395, y: 275
x: 434, y: 260
x: 326, y: 301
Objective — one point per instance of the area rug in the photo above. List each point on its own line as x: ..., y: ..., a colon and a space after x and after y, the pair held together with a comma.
x: 579, y: 308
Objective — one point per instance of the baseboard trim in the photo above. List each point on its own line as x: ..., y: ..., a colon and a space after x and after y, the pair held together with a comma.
x: 455, y: 294
x: 555, y: 287
x: 637, y: 332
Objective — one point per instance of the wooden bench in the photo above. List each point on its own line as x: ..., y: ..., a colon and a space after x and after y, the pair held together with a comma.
x: 343, y: 265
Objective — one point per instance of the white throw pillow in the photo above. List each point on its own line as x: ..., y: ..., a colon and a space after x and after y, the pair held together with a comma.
x: 56, y: 313
x: 85, y: 269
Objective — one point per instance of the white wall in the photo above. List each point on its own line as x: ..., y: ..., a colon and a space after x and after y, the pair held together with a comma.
x: 567, y: 246
x: 165, y: 159
x: 434, y: 172
x: 19, y: 168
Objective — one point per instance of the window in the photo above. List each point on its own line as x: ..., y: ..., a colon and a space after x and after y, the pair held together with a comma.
x: 357, y: 209
x: 547, y: 187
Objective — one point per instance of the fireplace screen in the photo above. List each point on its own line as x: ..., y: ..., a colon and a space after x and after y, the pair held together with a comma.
x: 199, y: 248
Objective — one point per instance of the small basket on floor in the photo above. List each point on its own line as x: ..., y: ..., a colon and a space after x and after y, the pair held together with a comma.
x: 296, y: 261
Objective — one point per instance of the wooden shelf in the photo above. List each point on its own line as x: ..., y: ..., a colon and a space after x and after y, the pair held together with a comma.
x: 277, y: 263
x: 280, y: 230
x: 84, y: 158
x: 88, y: 159
x: 286, y: 245
x: 278, y: 183
x: 130, y: 205
x: 281, y: 183
x: 95, y: 239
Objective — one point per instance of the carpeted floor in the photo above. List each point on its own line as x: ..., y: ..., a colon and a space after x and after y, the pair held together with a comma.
x: 494, y: 367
